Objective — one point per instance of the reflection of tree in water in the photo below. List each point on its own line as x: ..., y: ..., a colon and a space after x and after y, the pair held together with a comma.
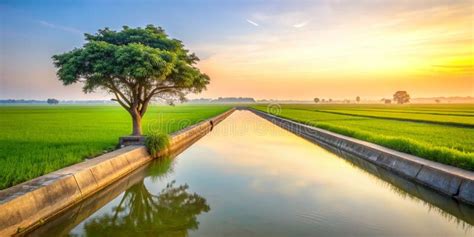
x: 172, y: 212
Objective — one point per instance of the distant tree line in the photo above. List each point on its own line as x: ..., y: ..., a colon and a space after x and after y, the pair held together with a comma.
x: 235, y: 99
x: 318, y: 100
x: 23, y: 101
x: 224, y: 100
x: 401, y: 97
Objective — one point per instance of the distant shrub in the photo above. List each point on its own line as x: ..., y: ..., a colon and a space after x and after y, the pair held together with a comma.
x: 52, y: 101
x: 157, y: 142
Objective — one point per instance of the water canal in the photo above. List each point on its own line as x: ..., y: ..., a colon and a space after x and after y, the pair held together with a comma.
x: 249, y: 177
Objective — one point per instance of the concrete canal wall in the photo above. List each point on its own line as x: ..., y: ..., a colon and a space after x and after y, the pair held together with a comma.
x: 29, y: 204
x: 452, y: 181
x: 434, y: 199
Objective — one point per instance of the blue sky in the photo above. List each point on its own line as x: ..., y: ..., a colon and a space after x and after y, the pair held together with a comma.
x: 252, y: 48
x: 32, y: 31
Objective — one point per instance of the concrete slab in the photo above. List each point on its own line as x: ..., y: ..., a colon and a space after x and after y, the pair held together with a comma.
x: 401, y: 166
x: 466, y: 192
x: 26, y: 210
x: 439, y: 180
x: 86, y: 181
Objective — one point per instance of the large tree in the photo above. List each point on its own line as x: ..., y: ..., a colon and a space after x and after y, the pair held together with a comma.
x: 135, y: 65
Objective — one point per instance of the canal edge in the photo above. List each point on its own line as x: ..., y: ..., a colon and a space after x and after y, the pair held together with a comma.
x: 32, y: 203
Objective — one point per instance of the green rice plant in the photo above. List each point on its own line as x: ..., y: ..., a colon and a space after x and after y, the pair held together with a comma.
x: 157, y: 142
x: 444, y: 119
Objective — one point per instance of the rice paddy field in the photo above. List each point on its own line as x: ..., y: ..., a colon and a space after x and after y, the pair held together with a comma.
x: 443, y: 133
x: 36, y: 140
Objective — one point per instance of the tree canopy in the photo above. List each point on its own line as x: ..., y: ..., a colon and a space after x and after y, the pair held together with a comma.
x: 401, y: 97
x: 135, y: 65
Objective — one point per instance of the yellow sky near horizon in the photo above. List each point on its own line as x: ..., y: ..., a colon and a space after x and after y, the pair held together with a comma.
x: 427, y: 51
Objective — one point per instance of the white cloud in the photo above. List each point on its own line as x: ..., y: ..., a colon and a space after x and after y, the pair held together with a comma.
x: 301, y: 24
x: 252, y: 22
x: 60, y: 27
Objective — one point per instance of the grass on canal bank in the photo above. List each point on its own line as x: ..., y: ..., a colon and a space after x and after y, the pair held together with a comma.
x: 36, y: 140
x: 427, y: 131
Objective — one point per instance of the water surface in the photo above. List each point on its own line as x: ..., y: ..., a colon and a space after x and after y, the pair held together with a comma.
x: 249, y: 177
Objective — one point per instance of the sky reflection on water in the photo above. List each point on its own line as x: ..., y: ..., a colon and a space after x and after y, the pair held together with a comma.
x: 251, y: 178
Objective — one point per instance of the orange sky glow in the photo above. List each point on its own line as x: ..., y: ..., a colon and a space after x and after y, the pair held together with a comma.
x: 427, y: 51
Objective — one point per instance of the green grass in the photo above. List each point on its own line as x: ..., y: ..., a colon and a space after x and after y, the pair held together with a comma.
x: 36, y: 140
x: 430, y: 136
x: 156, y: 142
x: 436, y: 118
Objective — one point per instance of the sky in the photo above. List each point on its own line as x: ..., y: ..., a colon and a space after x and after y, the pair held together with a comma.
x: 273, y: 49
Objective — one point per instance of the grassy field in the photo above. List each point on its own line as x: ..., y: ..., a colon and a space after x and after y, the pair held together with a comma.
x: 36, y: 140
x: 443, y: 133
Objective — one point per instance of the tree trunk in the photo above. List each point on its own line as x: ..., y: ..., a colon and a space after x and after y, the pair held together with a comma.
x: 137, y: 124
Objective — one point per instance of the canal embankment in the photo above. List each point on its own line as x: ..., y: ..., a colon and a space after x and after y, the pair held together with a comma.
x: 451, y: 181
x: 250, y: 176
x: 32, y: 203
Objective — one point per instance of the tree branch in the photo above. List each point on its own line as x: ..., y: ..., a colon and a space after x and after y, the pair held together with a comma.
x: 160, y: 89
x: 116, y: 91
x: 120, y: 101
